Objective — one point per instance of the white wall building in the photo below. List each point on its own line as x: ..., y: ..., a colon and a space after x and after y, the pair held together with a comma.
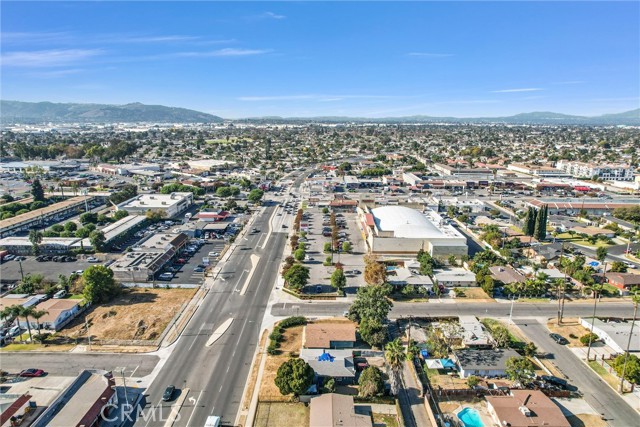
x: 172, y: 204
x: 606, y: 172
x: 402, y: 232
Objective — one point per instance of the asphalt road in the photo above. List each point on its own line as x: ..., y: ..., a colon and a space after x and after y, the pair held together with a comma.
x: 69, y: 364
x: 520, y: 310
x: 614, y: 253
x: 596, y: 392
x: 213, y: 377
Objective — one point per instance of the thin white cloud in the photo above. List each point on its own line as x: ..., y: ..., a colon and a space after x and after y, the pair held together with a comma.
x: 34, y: 37
x: 316, y: 97
x: 223, y: 53
x: 55, y: 73
x: 570, y: 82
x: 274, y: 15
x: 430, y: 54
x: 526, y: 89
x: 160, y: 39
x: 47, y: 58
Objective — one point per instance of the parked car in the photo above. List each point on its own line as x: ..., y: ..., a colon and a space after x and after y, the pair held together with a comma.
x: 559, y: 339
x: 353, y: 272
x: 32, y: 373
x: 213, y: 254
x: 168, y: 393
x: 165, y: 276
x: 199, y: 269
x: 92, y: 259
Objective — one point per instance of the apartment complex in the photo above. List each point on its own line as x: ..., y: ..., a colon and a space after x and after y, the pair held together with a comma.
x: 605, y: 172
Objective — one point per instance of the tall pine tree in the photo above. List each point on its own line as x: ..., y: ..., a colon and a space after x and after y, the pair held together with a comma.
x: 540, y: 230
x: 530, y: 222
x: 37, y: 191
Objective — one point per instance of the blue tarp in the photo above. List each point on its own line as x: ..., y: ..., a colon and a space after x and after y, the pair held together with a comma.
x: 424, y: 354
x: 447, y: 363
x: 594, y: 263
x: 325, y: 357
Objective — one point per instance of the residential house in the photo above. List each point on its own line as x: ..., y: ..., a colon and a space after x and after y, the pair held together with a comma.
x: 404, y: 276
x: 474, y: 334
x: 525, y: 408
x: 615, y: 333
x: 456, y: 278
x: 506, y: 274
x: 544, y: 254
x: 336, y: 410
x: 483, y: 363
x: 336, y: 364
x: 623, y: 281
x: 329, y: 335
x: 59, y: 313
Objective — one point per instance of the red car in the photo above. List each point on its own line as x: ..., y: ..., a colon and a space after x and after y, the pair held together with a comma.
x: 32, y: 373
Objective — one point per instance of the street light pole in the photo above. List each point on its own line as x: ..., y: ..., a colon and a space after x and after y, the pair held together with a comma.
x: 124, y: 381
x: 636, y: 300
x: 596, y: 295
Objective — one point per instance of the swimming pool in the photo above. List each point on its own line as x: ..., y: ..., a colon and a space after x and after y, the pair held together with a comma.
x: 470, y: 418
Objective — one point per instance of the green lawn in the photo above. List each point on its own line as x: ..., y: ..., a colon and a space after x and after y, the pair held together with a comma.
x: 387, y: 420
x: 612, y: 380
x: 76, y: 296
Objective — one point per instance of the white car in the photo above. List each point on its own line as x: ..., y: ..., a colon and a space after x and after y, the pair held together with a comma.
x: 78, y: 272
x: 166, y: 276
x: 213, y: 254
x: 92, y: 259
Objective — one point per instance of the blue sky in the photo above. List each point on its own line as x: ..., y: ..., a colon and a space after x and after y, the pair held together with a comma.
x: 371, y: 59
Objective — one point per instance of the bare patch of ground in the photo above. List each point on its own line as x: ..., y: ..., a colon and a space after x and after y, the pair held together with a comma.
x: 569, y: 328
x: 137, y: 314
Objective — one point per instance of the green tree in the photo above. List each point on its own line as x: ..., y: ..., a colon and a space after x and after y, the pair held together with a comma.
x: 372, y: 332
x: 530, y: 349
x: 338, y: 279
x: 329, y: 386
x: 99, y: 284
x: 37, y: 315
x: 89, y: 218
x: 299, y: 254
x: 297, y: 277
x: 294, y: 376
x: 375, y: 273
x: 394, y: 355
x: 255, y: 195
x: 472, y: 381
x: 119, y: 214
x: 370, y: 382
x: 37, y: 191
x: 155, y: 215
x: 35, y: 237
x: 372, y: 303
x: 519, y: 369
x: 589, y: 338
x: 26, y: 312
x: 346, y: 247
x: 327, y: 247
x: 618, y: 267
x: 501, y: 336
x: 601, y: 253
x: 224, y: 192
x: 70, y: 226
x: 632, y: 370
x: 97, y: 239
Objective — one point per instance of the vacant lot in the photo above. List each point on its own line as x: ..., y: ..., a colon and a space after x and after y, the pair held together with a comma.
x: 140, y: 314
x: 570, y: 328
x: 291, y: 343
x: 281, y: 414
x: 473, y: 294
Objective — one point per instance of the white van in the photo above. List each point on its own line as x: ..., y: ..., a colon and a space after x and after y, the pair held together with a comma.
x: 212, y: 421
x: 60, y: 294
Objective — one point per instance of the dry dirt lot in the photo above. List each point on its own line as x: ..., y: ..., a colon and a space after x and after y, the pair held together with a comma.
x: 140, y: 314
x: 291, y: 343
x: 569, y: 326
x: 474, y: 295
x: 281, y: 414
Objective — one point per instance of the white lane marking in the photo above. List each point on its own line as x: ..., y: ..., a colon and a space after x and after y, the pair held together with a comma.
x: 175, y: 408
x: 194, y: 407
x: 196, y: 337
x: 219, y: 332
x: 134, y: 371
x: 239, y: 279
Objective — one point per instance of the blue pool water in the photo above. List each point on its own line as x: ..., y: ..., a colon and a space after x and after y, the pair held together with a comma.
x: 470, y: 418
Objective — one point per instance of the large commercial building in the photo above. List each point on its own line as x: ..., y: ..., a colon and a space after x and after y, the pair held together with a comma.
x: 398, y: 231
x: 171, y: 204
x: 40, y: 217
x: 606, y: 172
x: 147, y: 259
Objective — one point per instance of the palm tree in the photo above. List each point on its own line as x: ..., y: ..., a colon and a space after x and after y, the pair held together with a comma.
x: 394, y: 353
x: 26, y: 312
x: 38, y: 314
x: 35, y: 237
x: 635, y: 299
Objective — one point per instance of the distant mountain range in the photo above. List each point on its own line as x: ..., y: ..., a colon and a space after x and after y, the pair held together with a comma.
x: 629, y: 118
x: 39, y: 112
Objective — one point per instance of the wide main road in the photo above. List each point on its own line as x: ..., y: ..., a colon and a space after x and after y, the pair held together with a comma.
x: 212, y: 373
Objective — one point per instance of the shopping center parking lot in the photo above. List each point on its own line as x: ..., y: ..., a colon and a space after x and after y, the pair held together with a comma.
x: 319, y: 274
x: 10, y: 270
x: 186, y: 273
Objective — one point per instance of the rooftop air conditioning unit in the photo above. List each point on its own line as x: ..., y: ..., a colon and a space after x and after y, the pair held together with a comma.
x: 525, y: 411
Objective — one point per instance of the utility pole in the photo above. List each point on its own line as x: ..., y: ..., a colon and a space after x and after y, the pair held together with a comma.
x: 21, y: 271
x: 596, y: 295
x: 562, y: 292
x: 636, y: 300
x: 513, y: 298
x: 124, y: 381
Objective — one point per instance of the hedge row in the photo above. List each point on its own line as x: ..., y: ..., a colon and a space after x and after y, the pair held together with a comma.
x: 276, y: 336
